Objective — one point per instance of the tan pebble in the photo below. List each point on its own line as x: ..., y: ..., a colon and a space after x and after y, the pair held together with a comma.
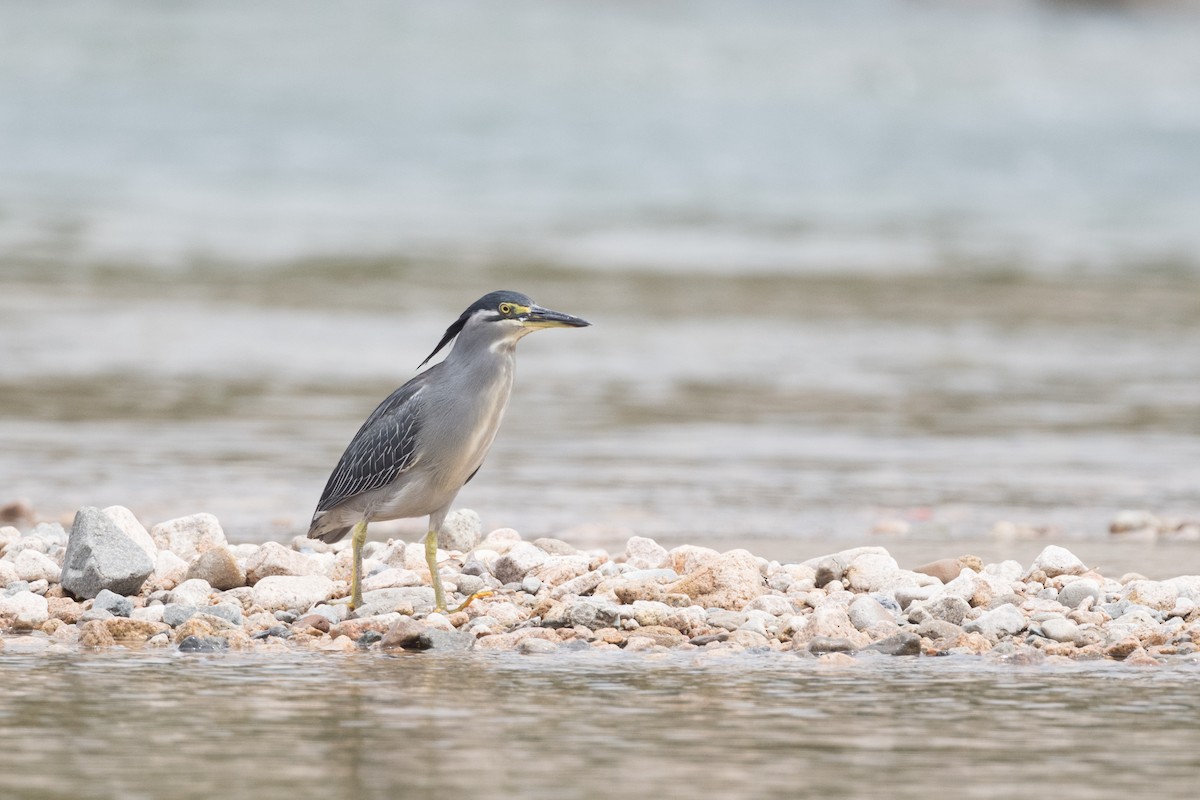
x: 193, y: 626
x: 1091, y: 652
x: 1140, y: 658
x: 510, y: 640
x: 318, y: 621
x: 51, y: 625
x: 747, y: 639
x: 634, y: 643
x: 95, y: 634
x: 1122, y: 649
x: 355, y: 628
x: 133, y: 630
x: 975, y: 642
x: 944, y: 569
x: 661, y: 635
x: 342, y: 644
x: 835, y: 660
x: 65, y: 609
x: 459, y: 618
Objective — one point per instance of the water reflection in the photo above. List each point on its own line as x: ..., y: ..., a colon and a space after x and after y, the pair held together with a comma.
x: 586, y: 725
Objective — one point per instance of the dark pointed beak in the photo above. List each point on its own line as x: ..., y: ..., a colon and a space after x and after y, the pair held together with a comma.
x: 539, y: 317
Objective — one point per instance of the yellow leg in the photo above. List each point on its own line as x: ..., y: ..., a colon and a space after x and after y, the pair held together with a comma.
x: 439, y: 598
x: 360, y: 538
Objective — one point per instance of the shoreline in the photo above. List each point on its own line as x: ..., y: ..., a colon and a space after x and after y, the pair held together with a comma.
x: 109, y: 582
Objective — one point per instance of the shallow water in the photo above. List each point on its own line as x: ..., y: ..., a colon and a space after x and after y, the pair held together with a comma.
x: 927, y: 262
x: 129, y: 725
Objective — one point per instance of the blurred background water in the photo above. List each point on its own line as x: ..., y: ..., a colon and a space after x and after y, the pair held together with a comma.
x: 934, y: 262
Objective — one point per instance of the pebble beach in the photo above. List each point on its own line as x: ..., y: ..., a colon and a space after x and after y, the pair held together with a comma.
x: 109, y: 582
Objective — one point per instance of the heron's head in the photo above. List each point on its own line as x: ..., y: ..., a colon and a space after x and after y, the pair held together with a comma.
x: 508, y: 316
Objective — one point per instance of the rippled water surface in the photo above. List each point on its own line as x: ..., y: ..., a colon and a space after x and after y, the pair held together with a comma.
x: 133, y: 725
x: 874, y: 260
x: 932, y: 264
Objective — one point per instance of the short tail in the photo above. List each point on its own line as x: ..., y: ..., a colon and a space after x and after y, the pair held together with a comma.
x: 326, y: 530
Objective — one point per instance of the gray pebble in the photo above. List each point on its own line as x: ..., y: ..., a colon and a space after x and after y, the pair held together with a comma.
x: 469, y: 584
x: 828, y: 644
x: 903, y: 643
x: 444, y: 641
x: 947, y: 608
x: 275, y: 630
x: 729, y: 620
x: 531, y: 585
x: 226, y: 611
x: 1074, y: 593
x: 175, y: 614
x: 532, y: 646
x: 203, y: 644
x: 117, y: 605
x: 939, y: 629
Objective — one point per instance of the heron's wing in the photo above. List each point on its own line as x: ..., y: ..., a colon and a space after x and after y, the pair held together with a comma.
x: 384, y: 447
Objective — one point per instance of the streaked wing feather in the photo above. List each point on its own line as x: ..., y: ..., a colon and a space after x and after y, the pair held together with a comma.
x: 384, y: 447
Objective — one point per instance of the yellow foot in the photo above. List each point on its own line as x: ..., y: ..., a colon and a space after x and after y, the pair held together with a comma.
x: 465, y: 603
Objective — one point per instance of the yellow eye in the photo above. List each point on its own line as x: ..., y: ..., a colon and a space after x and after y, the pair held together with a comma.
x: 506, y: 308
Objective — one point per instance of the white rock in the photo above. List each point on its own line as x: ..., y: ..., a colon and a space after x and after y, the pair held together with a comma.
x: 977, y: 588
x: 773, y: 604
x: 1187, y: 586
x: 688, y: 558
x: 1152, y: 594
x: 152, y: 613
x: 292, y: 592
x: 8, y: 535
x: 390, y: 578
x: 507, y: 614
x: 1060, y: 629
x: 832, y: 621
x: 8, y: 573
x: 27, y: 610
x: 461, y: 531
x: 1183, y: 607
x: 519, y: 560
x: 865, y: 611
x: 127, y: 522
x: 1076, y: 591
x: 946, y: 607
x: 997, y: 623
x: 245, y: 550
x: 845, y: 557
x: 643, y: 553
x: 500, y: 540
x: 169, y: 569
x: 758, y: 621
x: 557, y: 570
x: 194, y: 592
x: 272, y: 558
x: 34, y: 566
x: 651, y: 612
x: 878, y: 572
x: 1055, y: 561
x: 729, y: 580
x: 392, y: 553
x: 188, y: 537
